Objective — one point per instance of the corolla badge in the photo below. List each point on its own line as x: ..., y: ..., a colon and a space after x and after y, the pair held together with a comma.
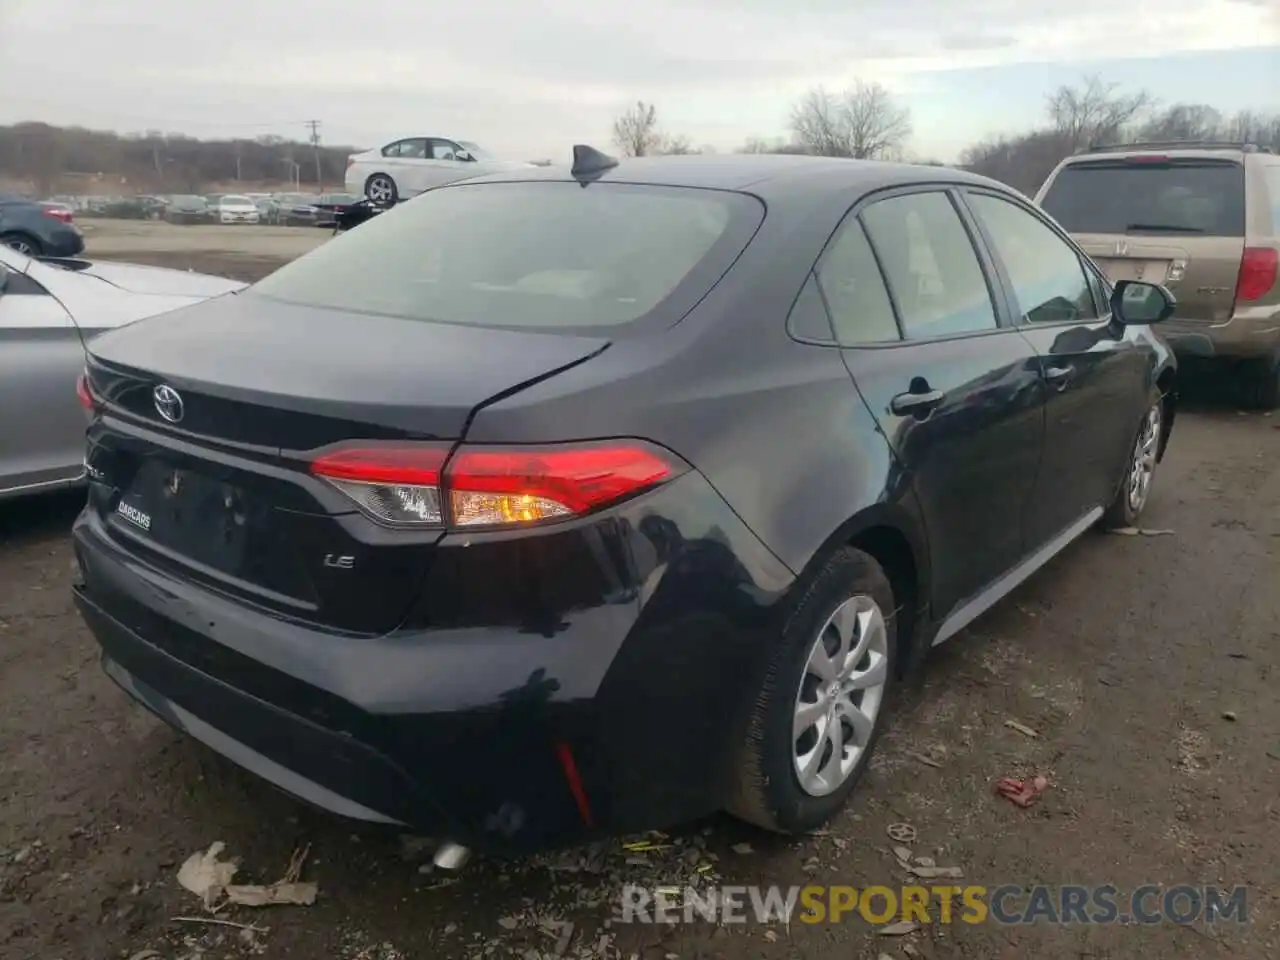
x: 168, y: 402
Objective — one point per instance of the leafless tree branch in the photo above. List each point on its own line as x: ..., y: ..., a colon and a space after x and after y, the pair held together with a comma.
x: 862, y: 122
x: 635, y: 132
x: 1094, y: 113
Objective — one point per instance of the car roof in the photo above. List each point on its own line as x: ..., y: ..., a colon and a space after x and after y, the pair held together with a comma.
x: 770, y: 176
x: 1176, y: 149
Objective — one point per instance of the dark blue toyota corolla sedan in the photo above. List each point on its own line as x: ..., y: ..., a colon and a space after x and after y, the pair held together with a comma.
x: 576, y: 501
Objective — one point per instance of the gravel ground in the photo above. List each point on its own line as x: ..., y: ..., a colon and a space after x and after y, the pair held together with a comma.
x: 243, y: 252
x: 1145, y: 665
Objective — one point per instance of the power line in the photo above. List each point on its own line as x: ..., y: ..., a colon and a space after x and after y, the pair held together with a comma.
x: 314, y: 125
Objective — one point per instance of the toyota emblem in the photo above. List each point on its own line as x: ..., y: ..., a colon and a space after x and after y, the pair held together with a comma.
x: 168, y: 402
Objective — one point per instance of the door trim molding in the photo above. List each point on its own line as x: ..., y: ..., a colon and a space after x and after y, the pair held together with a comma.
x: 1005, y: 584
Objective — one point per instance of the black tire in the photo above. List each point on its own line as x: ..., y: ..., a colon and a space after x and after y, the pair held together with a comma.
x: 768, y: 791
x: 1122, y: 512
x: 386, y: 181
x: 22, y: 242
x: 1259, y: 383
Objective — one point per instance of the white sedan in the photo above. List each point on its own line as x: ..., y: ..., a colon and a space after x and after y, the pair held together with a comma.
x: 234, y: 208
x: 405, y: 168
x: 48, y: 310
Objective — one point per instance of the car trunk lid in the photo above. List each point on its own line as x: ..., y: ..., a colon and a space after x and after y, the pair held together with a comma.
x: 1201, y: 271
x: 215, y: 486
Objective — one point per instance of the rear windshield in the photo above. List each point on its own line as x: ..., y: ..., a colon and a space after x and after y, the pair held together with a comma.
x: 545, y: 254
x: 1186, y: 197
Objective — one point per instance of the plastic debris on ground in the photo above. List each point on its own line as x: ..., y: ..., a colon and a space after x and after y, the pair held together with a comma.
x: 901, y: 832
x: 209, y: 878
x: 900, y: 929
x: 1022, y: 793
x: 1022, y: 728
x: 925, y: 867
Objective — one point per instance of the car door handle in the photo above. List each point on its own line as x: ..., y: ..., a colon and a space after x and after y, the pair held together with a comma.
x: 1060, y: 377
x: 916, y: 403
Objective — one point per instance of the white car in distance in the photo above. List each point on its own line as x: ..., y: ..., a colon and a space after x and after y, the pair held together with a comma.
x: 234, y: 208
x: 405, y: 168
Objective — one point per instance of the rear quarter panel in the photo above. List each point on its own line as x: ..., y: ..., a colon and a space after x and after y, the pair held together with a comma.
x: 776, y: 426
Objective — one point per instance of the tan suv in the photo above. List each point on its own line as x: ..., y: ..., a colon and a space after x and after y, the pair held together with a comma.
x: 1202, y: 218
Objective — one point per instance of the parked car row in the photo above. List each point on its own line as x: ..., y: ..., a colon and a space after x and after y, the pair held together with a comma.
x: 283, y: 209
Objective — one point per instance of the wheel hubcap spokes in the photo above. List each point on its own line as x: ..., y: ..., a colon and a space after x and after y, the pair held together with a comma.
x: 1144, y: 459
x: 380, y: 189
x: 840, y: 694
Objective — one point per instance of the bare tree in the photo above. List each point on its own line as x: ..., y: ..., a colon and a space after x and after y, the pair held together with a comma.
x: 674, y: 146
x: 861, y: 122
x: 1022, y: 162
x: 1094, y: 112
x: 1249, y: 127
x: 1183, y: 121
x: 636, y: 132
x: 776, y: 145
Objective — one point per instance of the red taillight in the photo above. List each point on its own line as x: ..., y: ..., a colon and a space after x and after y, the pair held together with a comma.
x: 1258, y: 268
x: 84, y: 394
x: 351, y: 162
x: 63, y: 215
x: 421, y: 485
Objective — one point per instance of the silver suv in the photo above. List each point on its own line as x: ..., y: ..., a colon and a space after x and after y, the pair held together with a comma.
x: 1202, y: 218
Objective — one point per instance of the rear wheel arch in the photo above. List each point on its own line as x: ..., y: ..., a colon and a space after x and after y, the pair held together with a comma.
x: 890, y: 548
x: 10, y: 236
x: 892, y: 537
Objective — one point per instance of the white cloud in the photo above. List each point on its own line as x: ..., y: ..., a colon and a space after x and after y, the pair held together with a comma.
x: 527, y: 78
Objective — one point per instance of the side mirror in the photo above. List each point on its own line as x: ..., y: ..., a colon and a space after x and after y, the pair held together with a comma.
x: 463, y: 156
x: 1135, y: 303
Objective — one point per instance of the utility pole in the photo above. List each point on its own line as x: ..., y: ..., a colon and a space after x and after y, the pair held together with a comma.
x: 315, y: 145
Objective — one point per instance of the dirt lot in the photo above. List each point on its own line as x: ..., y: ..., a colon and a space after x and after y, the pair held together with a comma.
x: 246, y: 253
x: 1147, y: 666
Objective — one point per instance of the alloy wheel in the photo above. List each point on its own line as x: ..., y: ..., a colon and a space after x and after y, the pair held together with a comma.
x: 380, y: 189
x: 841, y: 692
x: 1143, y: 465
x: 22, y: 247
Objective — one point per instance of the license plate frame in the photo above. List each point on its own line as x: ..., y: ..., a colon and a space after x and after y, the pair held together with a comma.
x: 1149, y: 271
x: 191, y: 514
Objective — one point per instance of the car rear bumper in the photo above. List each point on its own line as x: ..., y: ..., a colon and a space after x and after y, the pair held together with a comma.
x: 1250, y: 333
x: 507, y: 737
x: 67, y: 242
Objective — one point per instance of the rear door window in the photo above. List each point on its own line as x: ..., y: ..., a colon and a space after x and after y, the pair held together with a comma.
x: 1149, y: 196
x: 854, y: 290
x: 550, y: 255
x: 933, y: 270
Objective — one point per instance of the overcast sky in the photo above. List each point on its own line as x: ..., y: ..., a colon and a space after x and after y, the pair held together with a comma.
x: 528, y: 79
